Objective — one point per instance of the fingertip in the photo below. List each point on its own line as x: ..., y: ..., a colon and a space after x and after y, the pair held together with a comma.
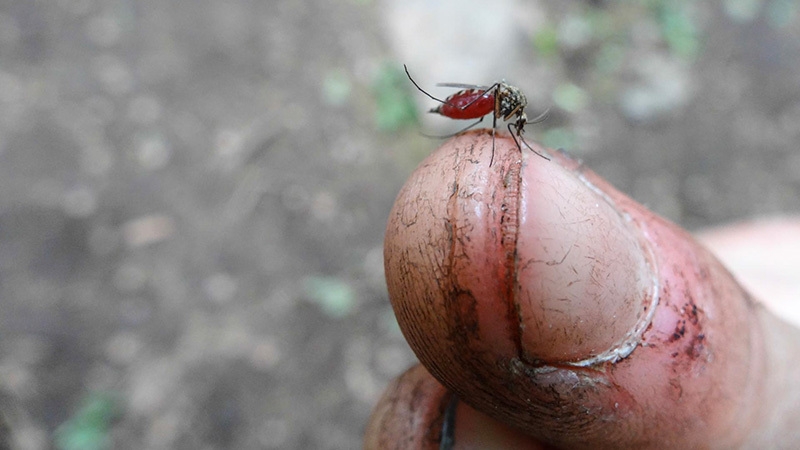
x: 548, y: 300
x: 414, y: 413
x: 409, y: 415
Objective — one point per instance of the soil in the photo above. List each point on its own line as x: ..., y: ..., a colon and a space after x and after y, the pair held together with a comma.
x: 193, y: 195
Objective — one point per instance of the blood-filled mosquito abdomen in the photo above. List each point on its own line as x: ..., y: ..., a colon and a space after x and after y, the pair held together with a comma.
x: 480, y: 104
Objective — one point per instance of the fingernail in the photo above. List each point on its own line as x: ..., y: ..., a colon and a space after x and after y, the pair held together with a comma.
x: 585, y: 287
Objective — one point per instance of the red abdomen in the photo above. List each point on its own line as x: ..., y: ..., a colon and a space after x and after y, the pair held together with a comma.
x: 478, y: 106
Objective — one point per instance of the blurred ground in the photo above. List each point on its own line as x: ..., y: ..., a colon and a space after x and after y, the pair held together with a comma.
x: 193, y: 194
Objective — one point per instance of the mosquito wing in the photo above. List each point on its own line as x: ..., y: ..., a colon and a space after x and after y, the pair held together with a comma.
x: 463, y: 86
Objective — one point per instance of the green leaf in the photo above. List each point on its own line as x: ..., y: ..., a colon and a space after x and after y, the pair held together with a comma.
x: 678, y: 29
x: 742, y: 10
x: 395, y: 106
x: 559, y: 138
x: 336, y: 88
x: 334, y: 296
x: 545, y: 41
x: 88, y: 428
x: 570, y: 97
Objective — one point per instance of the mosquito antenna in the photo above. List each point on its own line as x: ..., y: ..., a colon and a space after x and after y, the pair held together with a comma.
x: 540, y: 118
x: 420, y: 89
x: 454, y: 134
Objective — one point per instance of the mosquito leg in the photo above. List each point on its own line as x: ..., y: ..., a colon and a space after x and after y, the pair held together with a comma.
x: 526, y: 143
x: 531, y: 148
x: 494, y: 132
x: 423, y: 90
x: 515, y: 139
x: 456, y: 133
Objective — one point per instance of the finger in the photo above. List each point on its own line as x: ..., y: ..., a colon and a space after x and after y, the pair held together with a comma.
x: 549, y: 301
x: 412, y: 412
x: 764, y: 256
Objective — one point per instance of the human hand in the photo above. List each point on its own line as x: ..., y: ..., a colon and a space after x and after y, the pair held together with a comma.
x: 569, y: 316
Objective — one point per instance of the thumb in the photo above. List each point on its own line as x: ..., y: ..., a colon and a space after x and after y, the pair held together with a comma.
x: 551, y: 302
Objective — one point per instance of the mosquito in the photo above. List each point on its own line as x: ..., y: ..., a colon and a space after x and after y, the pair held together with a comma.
x: 501, y: 99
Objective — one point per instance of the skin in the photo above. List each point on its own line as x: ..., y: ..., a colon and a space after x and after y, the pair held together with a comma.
x: 564, y: 315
